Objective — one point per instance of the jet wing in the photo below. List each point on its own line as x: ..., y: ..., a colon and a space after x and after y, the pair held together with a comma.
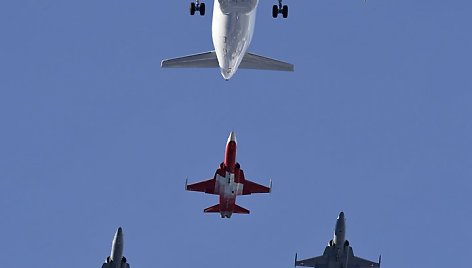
x: 356, y: 262
x: 207, y: 186
x: 253, y: 61
x: 201, y: 60
x: 317, y: 262
x: 252, y: 187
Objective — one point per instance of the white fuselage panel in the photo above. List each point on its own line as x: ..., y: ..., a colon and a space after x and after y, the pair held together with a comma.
x: 227, y: 186
x: 232, y: 31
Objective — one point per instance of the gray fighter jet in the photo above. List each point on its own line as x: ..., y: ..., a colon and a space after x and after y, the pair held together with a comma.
x: 338, y: 253
x: 116, y: 259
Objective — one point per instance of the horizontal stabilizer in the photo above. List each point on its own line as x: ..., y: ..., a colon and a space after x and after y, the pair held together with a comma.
x: 213, y: 209
x: 240, y: 210
x: 209, y: 60
x: 253, y: 61
x: 201, y: 60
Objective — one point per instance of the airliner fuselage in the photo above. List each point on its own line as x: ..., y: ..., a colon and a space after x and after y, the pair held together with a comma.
x: 232, y: 31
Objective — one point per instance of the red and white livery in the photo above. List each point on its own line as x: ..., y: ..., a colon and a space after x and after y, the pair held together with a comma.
x: 228, y: 182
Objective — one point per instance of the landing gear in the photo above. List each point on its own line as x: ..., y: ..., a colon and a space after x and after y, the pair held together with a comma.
x: 285, y: 11
x: 197, y: 6
x: 202, y: 9
x: 192, y: 8
x: 280, y: 9
x: 275, y: 11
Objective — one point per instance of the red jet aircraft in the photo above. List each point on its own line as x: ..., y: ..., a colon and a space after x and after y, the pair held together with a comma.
x: 228, y: 182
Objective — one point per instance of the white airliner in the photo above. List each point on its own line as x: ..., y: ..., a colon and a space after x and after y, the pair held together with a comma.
x: 232, y: 30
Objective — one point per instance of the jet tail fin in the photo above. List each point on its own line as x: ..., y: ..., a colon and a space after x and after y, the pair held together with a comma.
x: 253, y: 61
x: 213, y: 209
x: 200, y: 60
x: 240, y: 210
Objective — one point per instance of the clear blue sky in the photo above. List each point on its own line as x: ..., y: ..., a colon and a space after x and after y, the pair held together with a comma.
x: 375, y: 121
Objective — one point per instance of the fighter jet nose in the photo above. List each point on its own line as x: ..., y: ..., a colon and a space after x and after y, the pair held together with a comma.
x: 119, y: 232
x: 232, y: 137
x: 341, y: 215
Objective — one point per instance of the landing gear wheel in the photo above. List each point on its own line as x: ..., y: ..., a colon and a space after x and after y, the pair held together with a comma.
x: 202, y: 9
x: 192, y: 9
x: 275, y: 11
x: 285, y: 11
x: 280, y: 9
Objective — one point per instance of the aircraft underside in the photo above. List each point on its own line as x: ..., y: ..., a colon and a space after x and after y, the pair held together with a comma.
x: 232, y: 30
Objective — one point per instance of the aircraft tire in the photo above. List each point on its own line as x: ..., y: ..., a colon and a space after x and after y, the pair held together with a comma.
x: 202, y: 9
x: 285, y: 11
x: 192, y: 9
x: 275, y: 11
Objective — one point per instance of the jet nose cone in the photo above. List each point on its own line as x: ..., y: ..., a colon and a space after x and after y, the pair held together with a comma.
x: 341, y: 215
x: 119, y: 232
x: 232, y: 137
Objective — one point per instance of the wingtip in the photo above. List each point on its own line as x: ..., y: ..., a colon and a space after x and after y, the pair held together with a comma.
x: 270, y: 186
x: 295, y: 263
x: 163, y: 63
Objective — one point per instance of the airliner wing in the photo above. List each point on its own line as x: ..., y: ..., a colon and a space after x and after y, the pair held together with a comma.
x: 356, y: 262
x: 317, y: 262
x: 253, y: 61
x: 201, y: 60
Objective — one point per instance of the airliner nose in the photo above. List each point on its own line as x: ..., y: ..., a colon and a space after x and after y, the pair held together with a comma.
x: 341, y: 215
x: 232, y: 137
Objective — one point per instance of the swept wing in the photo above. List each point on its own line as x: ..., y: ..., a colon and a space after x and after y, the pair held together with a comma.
x: 251, y: 187
x: 317, y: 262
x: 356, y: 262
